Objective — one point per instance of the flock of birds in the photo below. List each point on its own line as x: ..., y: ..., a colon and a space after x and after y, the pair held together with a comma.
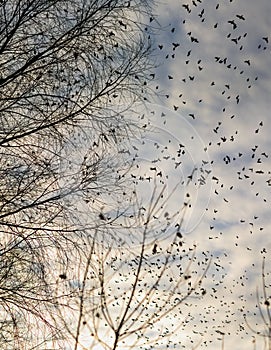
x: 203, y: 169
x: 214, y: 60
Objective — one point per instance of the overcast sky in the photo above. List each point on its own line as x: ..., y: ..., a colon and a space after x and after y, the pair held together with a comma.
x: 214, y: 68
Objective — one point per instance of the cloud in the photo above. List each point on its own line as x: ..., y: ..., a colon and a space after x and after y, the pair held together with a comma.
x: 221, y: 85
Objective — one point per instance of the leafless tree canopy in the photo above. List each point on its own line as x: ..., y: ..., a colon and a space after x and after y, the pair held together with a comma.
x: 64, y: 68
x: 67, y: 70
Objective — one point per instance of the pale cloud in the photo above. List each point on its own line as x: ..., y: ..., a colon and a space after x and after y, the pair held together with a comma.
x: 236, y: 226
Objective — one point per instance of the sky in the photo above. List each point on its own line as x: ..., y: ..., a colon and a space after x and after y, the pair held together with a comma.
x: 205, y: 141
x: 214, y: 85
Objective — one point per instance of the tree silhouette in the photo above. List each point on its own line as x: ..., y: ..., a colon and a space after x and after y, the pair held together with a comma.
x: 136, y: 297
x: 65, y: 67
x: 263, y: 306
x: 69, y: 72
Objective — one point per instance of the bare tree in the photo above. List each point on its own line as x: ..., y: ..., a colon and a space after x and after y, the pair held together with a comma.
x: 65, y: 66
x: 61, y: 65
x: 263, y: 306
x: 137, y: 297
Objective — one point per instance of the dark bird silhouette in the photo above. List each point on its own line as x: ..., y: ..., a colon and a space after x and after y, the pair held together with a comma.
x: 154, y: 249
x: 101, y: 216
x: 186, y: 7
x: 194, y: 40
x: 201, y: 13
x: 240, y: 17
x: 175, y: 45
x: 179, y: 235
x: 123, y: 24
x: 234, y: 25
